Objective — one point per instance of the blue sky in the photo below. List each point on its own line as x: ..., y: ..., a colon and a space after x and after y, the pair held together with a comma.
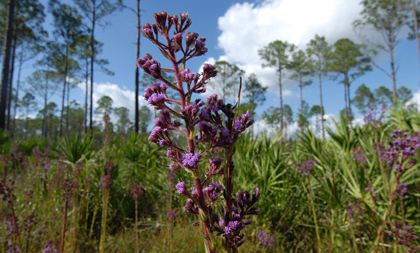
x: 235, y: 30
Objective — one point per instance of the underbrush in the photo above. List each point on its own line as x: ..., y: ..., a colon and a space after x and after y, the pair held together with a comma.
x: 358, y: 191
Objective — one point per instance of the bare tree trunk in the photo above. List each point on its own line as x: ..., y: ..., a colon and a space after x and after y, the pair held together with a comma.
x: 68, y: 108
x: 7, y: 46
x: 345, y: 103
x: 86, y: 96
x: 64, y: 91
x: 349, y: 103
x: 394, y: 82
x: 92, y: 62
x: 281, y: 102
x: 416, y: 27
x: 322, y: 104
x: 45, y: 116
x: 136, y: 108
x: 17, y: 93
x: 12, y: 69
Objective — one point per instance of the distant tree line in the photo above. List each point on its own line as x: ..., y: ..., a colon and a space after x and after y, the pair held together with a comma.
x: 69, y: 55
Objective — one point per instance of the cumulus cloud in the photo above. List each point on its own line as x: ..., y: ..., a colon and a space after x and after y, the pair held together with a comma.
x: 414, y: 101
x: 121, y: 96
x: 247, y: 27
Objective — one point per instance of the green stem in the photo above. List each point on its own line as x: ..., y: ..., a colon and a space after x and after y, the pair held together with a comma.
x: 103, y: 221
x: 318, y: 239
x: 135, y: 227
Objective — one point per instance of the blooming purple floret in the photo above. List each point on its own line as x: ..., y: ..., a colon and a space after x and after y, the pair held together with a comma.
x: 233, y: 226
x: 243, y: 122
x: 181, y: 188
x: 306, y: 167
x: 266, y: 239
x: 213, y: 191
x: 156, y: 99
x: 190, y: 159
x: 401, y: 150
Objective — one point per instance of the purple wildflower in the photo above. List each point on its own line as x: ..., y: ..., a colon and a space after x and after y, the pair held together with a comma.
x: 213, y: 191
x: 182, y: 188
x: 306, y: 167
x: 136, y: 191
x: 266, y: 239
x: 190, y: 160
x: 50, y: 247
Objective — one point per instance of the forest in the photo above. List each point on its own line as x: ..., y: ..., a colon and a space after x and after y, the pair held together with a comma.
x: 192, y: 172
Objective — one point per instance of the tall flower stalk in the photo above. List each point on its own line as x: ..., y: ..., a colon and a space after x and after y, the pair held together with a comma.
x: 210, y: 129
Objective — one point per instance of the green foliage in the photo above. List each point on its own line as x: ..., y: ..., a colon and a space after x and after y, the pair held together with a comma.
x: 75, y: 148
x: 328, y: 209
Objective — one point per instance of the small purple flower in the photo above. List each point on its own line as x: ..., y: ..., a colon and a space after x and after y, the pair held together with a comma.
x: 359, y: 155
x: 181, y: 188
x: 50, y: 247
x: 149, y: 65
x: 209, y: 71
x: 191, y: 207
x: 105, y: 182
x: 156, y: 99
x: 266, y: 239
x: 136, y: 191
x: 402, y: 189
x: 233, y: 226
x: 172, y: 214
x: 243, y: 123
x: 306, y: 167
x: 190, y: 160
x: 213, y: 191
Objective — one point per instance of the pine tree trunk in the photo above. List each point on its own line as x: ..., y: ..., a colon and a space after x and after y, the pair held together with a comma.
x: 392, y: 62
x: 17, y: 93
x: 345, y: 103
x: 86, y: 96
x: 64, y: 91
x: 136, y: 108
x: 322, y: 105
x: 45, y: 116
x: 7, y: 48
x: 92, y: 62
x: 12, y: 69
x: 416, y: 27
x: 281, y: 102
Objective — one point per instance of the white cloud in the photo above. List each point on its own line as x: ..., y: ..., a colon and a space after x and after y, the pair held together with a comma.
x: 121, y: 96
x: 415, y: 100
x: 246, y: 28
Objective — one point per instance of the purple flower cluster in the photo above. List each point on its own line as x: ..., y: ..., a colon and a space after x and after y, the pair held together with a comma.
x: 181, y: 188
x: 372, y: 191
x: 106, y: 180
x: 355, y: 211
x: 401, y: 151
x: 211, y: 125
x: 50, y: 247
x: 359, y: 155
x: 190, y: 160
x: 243, y: 205
x: 402, y: 234
x: 172, y: 214
x: 266, y: 239
x: 375, y: 116
x: 136, y: 191
x: 213, y: 191
x: 306, y: 167
x: 243, y: 122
